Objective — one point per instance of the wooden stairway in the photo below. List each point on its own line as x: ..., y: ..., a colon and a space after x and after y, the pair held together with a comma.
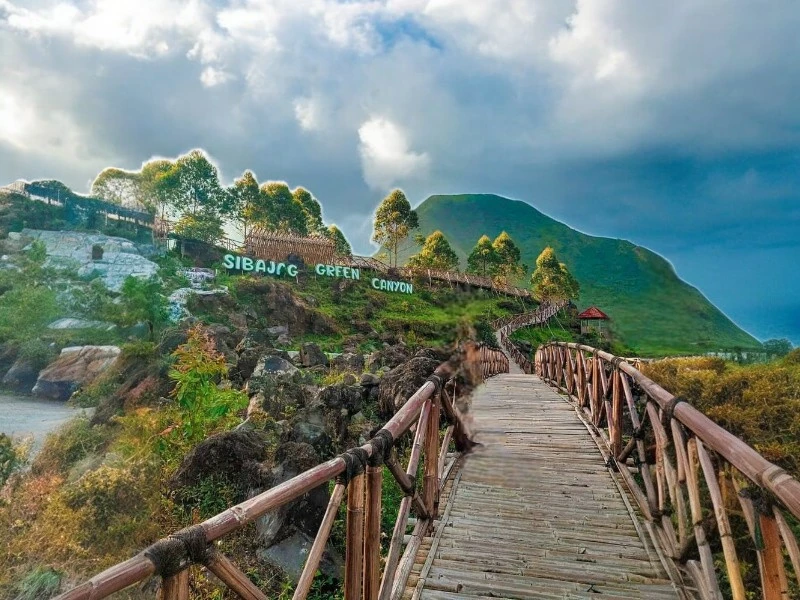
x: 534, y: 512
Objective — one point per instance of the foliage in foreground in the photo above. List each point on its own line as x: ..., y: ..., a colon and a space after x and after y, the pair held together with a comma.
x: 759, y: 403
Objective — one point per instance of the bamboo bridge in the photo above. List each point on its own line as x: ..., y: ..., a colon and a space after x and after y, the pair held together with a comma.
x: 570, y: 476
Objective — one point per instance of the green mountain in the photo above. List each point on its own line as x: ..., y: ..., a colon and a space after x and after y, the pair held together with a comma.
x: 651, y: 308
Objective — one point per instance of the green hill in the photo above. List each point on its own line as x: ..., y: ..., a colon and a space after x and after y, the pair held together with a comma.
x: 651, y: 308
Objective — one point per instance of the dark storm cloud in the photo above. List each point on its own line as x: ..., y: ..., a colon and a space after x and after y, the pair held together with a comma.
x: 672, y: 124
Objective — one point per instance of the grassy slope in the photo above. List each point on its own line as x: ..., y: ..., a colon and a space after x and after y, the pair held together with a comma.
x: 653, y: 310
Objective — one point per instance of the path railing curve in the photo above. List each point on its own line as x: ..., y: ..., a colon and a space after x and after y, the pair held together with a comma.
x: 505, y: 326
x: 358, y: 475
x: 697, y: 480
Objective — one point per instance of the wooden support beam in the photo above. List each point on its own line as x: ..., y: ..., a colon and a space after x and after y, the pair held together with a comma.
x: 318, y: 547
x: 430, y: 484
x: 176, y: 587
x: 372, y: 532
x: 354, y: 539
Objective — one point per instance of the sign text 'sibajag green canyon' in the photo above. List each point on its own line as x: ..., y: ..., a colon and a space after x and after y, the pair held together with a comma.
x: 234, y: 262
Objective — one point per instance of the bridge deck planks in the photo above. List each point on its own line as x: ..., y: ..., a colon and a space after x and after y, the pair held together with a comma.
x: 534, y: 512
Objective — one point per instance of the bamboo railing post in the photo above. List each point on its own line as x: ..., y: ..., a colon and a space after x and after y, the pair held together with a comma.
x: 615, y: 419
x: 430, y: 487
x: 723, y: 524
x: 774, y: 583
x: 318, y: 548
x: 595, y: 399
x: 354, y: 539
x: 372, y: 533
x: 176, y: 587
x: 232, y: 577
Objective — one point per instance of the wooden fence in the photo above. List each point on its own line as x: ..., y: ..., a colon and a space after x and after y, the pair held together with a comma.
x: 358, y: 482
x: 699, y: 477
x: 271, y: 245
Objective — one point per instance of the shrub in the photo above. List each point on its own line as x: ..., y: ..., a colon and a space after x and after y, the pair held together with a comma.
x: 12, y: 457
x: 71, y: 443
x: 40, y: 584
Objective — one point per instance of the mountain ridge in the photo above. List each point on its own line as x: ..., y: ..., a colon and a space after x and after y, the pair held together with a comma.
x: 652, y: 308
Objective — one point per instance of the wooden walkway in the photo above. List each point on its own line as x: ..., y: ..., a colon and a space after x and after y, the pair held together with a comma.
x: 534, y: 512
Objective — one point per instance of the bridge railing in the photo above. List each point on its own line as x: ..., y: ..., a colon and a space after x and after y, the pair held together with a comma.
x: 508, y: 325
x: 698, y: 478
x: 358, y: 475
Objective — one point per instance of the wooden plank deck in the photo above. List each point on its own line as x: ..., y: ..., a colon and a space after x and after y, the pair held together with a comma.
x: 534, y: 512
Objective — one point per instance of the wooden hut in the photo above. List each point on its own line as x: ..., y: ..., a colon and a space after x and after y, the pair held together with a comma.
x: 594, y: 319
x: 272, y: 245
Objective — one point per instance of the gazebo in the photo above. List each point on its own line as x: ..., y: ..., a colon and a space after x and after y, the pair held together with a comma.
x: 594, y: 319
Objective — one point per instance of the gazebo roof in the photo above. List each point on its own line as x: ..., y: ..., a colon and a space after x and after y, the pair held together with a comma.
x: 593, y: 313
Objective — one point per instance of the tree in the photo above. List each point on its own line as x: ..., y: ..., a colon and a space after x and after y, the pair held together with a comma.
x: 282, y: 212
x: 341, y: 245
x: 191, y: 186
x: 153, y: 189
x: 508, y: 258
x: 394, y: 219
x: 552, y: 280
x: 118, y: 187
x: 777, y: 347
x: 436, y: 253
x: 206, y: 227
x: 311, y: 209
x: 483, y: 258
x: 142, y: 302
x: 249, y: 202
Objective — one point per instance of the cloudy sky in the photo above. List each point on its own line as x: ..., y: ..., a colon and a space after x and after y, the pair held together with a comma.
x: 675, y: 124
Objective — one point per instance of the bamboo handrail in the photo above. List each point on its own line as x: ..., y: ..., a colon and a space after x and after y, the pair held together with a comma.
x: 363, y: 500
x: 692, y: 454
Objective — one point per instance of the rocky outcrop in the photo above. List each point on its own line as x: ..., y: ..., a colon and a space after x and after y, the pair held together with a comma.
x: 274, y: 304
x: 389, y: 357
x: 121, y: 258
x: 21, y: 376
x: 400, y: 383
x: 311, y: 355
x: 75, y: 367
x: 234, y: 455
x: 349, y: 362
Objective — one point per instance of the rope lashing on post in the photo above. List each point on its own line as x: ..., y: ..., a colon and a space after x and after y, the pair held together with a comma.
x: 381, y: 443
x: 669, y: 410
x: 437, y: 381
x: 176, y: 552
x: 355, y: 461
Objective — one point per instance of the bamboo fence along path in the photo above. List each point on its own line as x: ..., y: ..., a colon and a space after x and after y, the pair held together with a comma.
x: 535, y: 513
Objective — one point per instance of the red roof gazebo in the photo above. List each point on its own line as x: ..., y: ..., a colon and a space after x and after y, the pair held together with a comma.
x: 593, y: 319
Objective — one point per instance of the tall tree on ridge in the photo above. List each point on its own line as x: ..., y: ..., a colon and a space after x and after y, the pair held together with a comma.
x: 311, y: 209
x: 436, y: 253
x: 508, y: 258
x: 552, y: 280
x: 283, y: 213
x: 342, y: 246
x: 249, y: 202
x: 394, y: 220
x: 483, y: 258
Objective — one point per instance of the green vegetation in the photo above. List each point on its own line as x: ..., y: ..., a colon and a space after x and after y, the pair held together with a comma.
x: 483, y: 259
x: 551, y: 280
x: 759, y: 403
x: 394, y: 220
x: 436, y: 253
x: 341, y: 245
x: 652, y: 310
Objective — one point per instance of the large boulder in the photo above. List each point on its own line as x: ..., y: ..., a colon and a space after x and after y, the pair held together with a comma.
x: 349, y: 397
x: 349, y: 362
x: 311, y: 355
x: 234, y: 456
x: 399, y: 384
x: 21, y: 376
x: 275, y: 303
x: 75, y: 367
x: 390, y: 356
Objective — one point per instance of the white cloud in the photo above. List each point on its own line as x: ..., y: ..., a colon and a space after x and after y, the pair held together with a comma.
x: 386, y: 158
x: 308, y: 112
x: 211, y: 77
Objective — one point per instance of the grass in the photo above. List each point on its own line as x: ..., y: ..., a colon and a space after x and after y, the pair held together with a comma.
x: 652, y: 309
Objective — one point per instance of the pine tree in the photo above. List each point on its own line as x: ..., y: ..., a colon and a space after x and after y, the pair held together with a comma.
x: 341, y: 245
x: 508, y: 258
x: 436, y: 253
x: 552, y: 280
x: 483, y: 259
x: 394, y: 220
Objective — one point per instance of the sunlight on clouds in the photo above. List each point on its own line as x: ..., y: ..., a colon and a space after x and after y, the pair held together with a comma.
x: 385, y: 155
x: 211, y: 77
x: 308, y: 113
x: 15, y: 121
